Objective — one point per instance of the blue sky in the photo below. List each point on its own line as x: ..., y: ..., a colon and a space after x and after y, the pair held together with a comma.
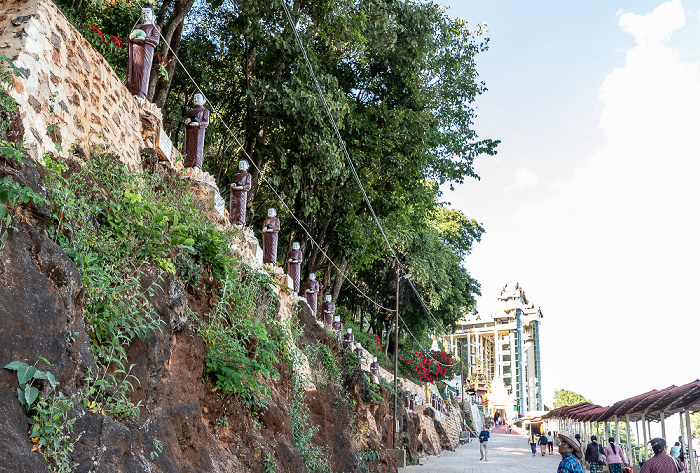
x: 591, y: 203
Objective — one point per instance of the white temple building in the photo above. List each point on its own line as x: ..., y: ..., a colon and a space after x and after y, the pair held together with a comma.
x: 501, y: 354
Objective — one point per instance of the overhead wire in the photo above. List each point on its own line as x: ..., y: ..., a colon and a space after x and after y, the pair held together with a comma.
x: 351, y: 164
x: 217, y: 111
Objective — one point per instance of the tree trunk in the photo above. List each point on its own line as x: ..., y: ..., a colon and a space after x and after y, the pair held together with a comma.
x: 326, y: 284
x: 170, y: 46
x: 162, y: 89
x: 387, y: 327
x: 340, y: 277
x: 316, y: 257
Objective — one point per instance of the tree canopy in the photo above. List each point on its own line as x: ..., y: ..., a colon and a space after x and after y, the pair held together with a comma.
x: 400, y: 80
x: 563, y: 397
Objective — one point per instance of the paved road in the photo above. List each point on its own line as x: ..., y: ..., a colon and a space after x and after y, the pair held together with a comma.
x: 507, y: 454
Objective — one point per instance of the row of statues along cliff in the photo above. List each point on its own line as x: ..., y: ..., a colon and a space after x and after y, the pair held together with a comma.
x: 143, y: 40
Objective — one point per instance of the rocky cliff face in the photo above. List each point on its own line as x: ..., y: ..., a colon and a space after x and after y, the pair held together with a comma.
x: 41, y: 294
x: 186, y: 424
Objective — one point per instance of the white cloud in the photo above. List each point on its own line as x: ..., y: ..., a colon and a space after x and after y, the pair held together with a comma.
x: 523, y: 178
x: 657, y: 26
x: 612, y: 257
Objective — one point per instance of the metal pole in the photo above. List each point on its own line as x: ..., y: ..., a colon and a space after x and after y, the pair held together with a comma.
x: 691, y: 456
x: 644, y: 431
x: 663, y: 424
x: 680, y: 414
x: 629, y: 439
x: 396, y: 359
x: 461, y: 365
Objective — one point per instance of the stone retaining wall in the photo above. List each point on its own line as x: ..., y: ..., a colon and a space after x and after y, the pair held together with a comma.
x: 92, y: 106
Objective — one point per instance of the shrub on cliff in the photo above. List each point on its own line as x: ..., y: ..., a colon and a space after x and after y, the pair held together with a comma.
x: 117, y: 224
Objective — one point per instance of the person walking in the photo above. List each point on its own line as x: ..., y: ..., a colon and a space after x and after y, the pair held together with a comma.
x: 681, y: 457
x: 614, y: 456
x: 661, y: 462
x: 533, y: 443
x: 593, y: 454
x: 550, y: 442
x: 543, y: 444
x: 570, y: 451
x: 676, y: 450
x: 484, y: 443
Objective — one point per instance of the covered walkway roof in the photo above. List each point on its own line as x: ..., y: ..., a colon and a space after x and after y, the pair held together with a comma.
x: 652, y: 404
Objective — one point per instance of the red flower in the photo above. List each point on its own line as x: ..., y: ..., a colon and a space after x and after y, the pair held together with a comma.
x: 94, y: 28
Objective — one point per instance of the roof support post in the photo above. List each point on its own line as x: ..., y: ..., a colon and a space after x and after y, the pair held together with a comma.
x: 607, y: 433
x: 663, y: 424
x: 691, y: 457
x: 644, y: 430
x: 636, y: 425
x: 680, y: 414
x: 630, y: 458
x: 617, y: 430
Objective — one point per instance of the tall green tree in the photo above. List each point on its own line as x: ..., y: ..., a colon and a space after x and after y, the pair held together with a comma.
x: 695, y: 424
x: 400, y: 80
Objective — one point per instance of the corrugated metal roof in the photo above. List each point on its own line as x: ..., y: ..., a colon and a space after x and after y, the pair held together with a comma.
x: 670, y: 400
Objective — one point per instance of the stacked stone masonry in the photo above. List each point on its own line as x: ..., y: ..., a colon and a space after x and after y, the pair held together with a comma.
x: 92, y: 106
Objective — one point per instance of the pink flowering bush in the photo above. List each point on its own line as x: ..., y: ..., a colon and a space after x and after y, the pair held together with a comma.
x: 435, y: 367
x: 111, y: 47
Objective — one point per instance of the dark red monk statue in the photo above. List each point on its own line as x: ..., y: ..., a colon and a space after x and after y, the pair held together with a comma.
x: 239, y: 194
x: 348, y: 339
x: 294, y: 258
x: 143, y: 40
x: 195, y: 124
x: 328, y: 310
x: 337, y: 326
x: 374, y: 370
x: 270, y: 229
x: 311, y: 291
x: 358, y: 350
